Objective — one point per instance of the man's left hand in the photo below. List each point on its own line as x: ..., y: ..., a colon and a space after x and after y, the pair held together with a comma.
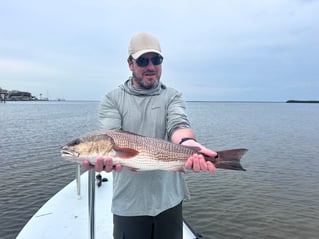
x: 197, y: 162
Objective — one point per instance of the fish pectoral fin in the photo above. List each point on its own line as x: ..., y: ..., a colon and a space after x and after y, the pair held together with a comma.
x: 125, y: 153
x: 133, y: 169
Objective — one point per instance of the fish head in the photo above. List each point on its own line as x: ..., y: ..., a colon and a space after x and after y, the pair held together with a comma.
x: 87, y: 147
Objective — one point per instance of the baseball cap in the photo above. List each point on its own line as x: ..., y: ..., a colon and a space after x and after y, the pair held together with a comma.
x: 142, y: 43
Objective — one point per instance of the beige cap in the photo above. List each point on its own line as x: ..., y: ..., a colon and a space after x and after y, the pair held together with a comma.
x: 142, y: 43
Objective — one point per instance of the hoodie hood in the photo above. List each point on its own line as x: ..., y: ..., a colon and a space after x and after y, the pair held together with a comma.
x: 129, y: 88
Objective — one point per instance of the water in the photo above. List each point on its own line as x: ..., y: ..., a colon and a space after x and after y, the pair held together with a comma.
x: 277, y: 197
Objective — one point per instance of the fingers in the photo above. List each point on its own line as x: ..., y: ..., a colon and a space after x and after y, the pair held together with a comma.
x: 102, y: 164
x: 108, y: 164
x: 118, y: 167
x: 208, y: 152
x: 99, y: 164
x: 202, y: 148
x: 211, y: 167
x: 86, y: 165
x: 197, y: 163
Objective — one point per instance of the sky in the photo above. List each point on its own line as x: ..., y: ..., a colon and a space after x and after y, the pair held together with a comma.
x: 225, y: 50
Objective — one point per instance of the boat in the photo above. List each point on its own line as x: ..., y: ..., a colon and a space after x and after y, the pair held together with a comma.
x: 80, y: 210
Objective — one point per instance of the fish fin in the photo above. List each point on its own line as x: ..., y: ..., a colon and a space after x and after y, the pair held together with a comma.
x: 129, y: 132
x: 125, y: 153
x: 181, y: 170
x: 177, y: 169
x: 133, y: 169
x: 228, y: 159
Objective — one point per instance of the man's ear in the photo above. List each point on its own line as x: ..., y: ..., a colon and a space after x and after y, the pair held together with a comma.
x: 130, y: 64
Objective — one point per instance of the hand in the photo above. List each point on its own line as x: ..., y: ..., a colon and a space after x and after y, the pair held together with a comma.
x: 102, y: 165
x: 197, y: 162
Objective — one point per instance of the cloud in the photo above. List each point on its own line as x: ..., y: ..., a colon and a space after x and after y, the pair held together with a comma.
x: 231, y: 47
x: 14, y: 68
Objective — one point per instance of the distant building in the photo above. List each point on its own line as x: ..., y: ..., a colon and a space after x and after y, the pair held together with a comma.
x: 3, y: 95
x: 16, y: 95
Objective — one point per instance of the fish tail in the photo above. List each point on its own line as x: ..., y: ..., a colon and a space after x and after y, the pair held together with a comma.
x: 229, y: 159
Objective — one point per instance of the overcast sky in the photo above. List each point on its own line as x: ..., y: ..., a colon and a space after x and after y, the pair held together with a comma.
x: 254, y: 50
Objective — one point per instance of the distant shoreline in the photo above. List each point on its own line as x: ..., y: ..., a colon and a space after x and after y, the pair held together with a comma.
x: 302, y: 101
x: 193, y: 101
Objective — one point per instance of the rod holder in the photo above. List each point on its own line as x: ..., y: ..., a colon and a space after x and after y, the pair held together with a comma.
x: 78, y: 181
x: 91, y: 200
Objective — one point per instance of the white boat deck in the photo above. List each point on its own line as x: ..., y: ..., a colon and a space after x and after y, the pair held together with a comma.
x: 66, y: 216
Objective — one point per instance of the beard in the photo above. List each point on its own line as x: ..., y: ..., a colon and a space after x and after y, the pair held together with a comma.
x: 144, y: 84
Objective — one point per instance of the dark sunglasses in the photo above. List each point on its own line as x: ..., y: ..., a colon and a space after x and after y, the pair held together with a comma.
x: 142, y: 62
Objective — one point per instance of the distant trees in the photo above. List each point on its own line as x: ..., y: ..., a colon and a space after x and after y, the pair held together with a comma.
x: 302, y: 101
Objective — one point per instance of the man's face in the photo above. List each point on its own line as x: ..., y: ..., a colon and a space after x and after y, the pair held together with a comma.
x: 146, y: 76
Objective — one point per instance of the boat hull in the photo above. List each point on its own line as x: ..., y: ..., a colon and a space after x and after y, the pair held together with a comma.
x: 66, y: 215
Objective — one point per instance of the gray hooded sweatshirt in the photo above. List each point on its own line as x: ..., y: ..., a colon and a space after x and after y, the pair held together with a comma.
x: 155, y: 112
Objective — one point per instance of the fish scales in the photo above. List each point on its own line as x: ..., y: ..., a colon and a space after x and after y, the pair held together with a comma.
x: 155, y: 148
x: 153, y: 154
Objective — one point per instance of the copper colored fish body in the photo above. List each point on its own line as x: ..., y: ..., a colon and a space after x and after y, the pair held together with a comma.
x: 142, y: 153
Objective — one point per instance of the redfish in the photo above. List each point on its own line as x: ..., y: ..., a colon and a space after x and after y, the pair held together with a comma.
x: 142, y: 153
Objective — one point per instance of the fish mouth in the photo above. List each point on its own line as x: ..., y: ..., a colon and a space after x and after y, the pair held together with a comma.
x: 68, y: 153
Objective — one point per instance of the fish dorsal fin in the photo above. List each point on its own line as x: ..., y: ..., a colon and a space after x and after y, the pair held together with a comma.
x: 125, y: 153
x: 129, y: 132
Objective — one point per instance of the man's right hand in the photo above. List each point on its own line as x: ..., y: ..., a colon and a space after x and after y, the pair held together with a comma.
x: 102, y: 164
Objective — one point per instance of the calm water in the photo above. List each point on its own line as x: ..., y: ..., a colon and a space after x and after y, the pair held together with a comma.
x: 277, y: 197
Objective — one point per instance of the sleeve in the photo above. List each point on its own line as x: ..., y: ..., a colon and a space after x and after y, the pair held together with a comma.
x: 176, y: 114
x: 109, y: 116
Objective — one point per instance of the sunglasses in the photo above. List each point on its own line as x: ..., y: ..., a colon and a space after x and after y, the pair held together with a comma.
x: 142, y: 62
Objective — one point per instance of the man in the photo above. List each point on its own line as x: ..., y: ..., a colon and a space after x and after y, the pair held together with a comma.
x: 148, y: 204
